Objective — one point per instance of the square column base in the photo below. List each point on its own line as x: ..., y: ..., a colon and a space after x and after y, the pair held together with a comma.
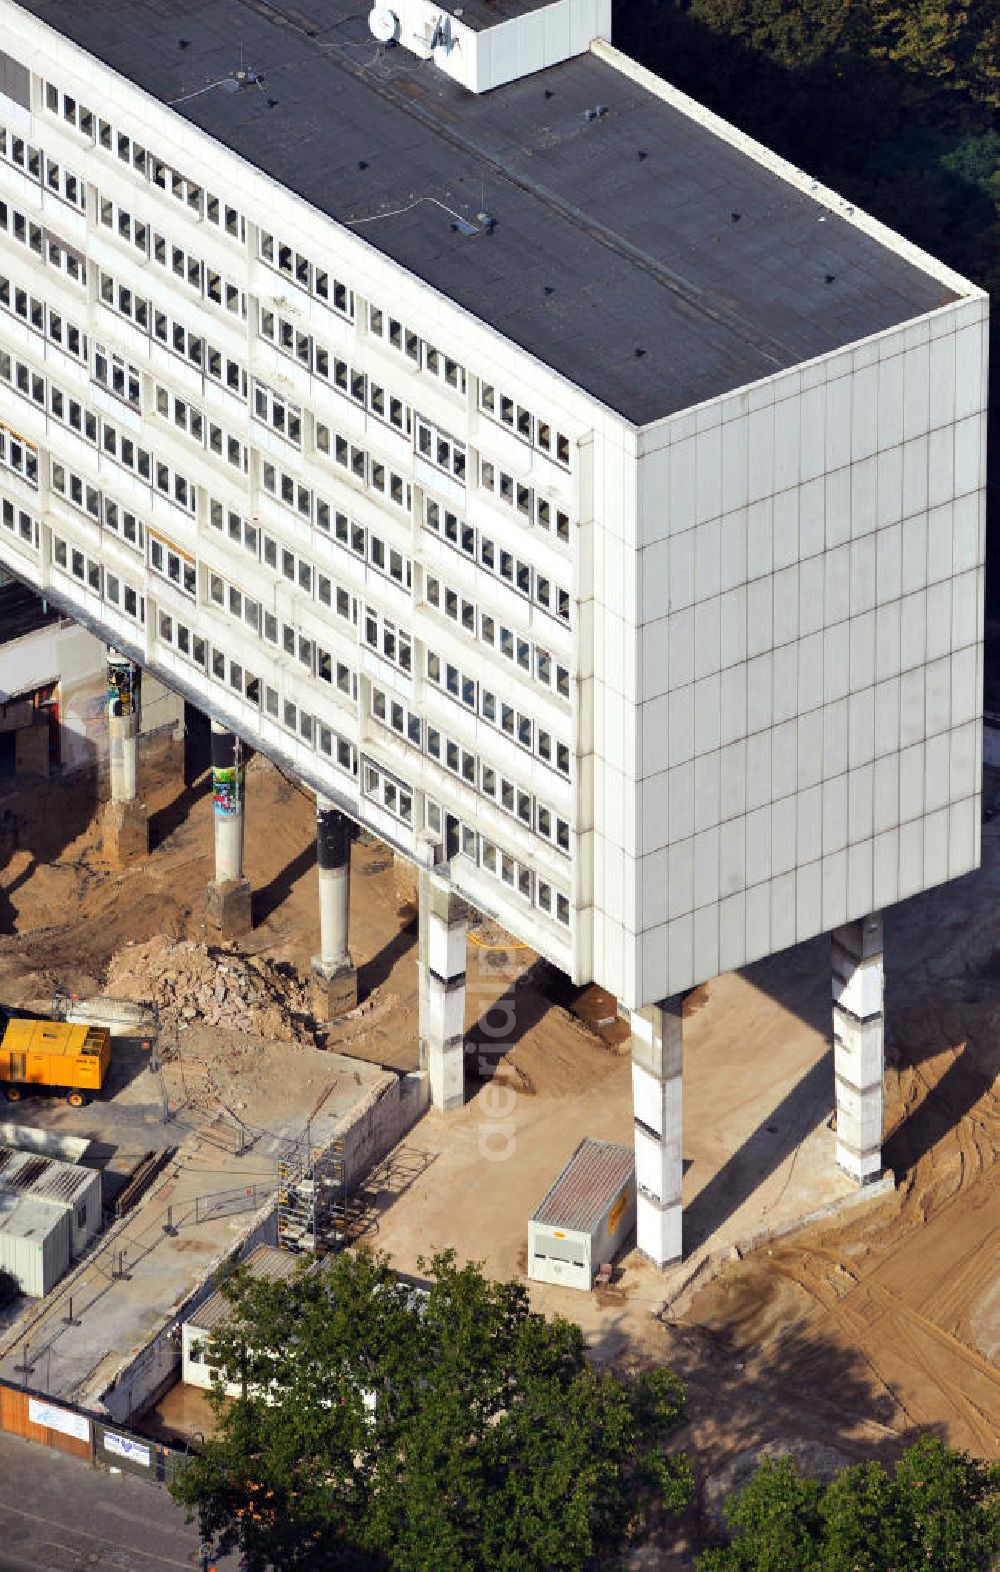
x: 658, y: 1229
x: 125, y: 828
x: 446, y: 1073
x: 228, y: 907
x: 863, y: 1167
x: 334, y: 989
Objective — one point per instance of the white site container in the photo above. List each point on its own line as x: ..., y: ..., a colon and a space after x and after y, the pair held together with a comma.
x: 200, y: 1323
x: 66, y: 1187
x: 585, y: 1218
x: 34, y: 1243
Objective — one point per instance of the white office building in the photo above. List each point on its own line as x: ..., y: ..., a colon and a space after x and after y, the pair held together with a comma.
x: 566, y: 488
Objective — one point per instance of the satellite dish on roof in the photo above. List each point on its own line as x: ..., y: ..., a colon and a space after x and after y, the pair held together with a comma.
x: 384, y: 23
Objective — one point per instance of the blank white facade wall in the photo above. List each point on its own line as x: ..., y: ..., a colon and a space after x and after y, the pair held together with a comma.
x: 805, y: 613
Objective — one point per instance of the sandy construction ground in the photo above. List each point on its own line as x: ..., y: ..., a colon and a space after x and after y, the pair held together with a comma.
x: 848, y: 1335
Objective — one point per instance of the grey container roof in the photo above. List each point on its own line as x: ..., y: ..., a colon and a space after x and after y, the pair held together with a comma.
x: 44, y: 1178
x: 588, y: 1186
x: 26, y: 1217
x: 266, y: 1261
x: 616, y: 258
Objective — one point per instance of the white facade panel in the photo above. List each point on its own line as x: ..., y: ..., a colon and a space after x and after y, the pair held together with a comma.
x: 844, y: 697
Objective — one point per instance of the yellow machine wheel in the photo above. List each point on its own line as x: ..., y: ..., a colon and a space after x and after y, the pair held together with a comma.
x: 12, y: 1094
x: 75, y: 1099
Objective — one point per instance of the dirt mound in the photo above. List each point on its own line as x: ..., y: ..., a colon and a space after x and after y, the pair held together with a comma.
x: 194, y: 984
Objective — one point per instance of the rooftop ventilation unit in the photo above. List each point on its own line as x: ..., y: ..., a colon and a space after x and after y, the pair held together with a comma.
x: 474, y: 47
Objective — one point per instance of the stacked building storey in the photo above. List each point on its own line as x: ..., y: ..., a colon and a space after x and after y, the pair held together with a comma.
x: 543, y: 471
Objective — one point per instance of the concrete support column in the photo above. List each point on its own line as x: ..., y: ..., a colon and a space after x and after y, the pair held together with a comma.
x: 228, y: 908
x: 335, y: 978
x: 443, y: 924
x: 126, y: 824
x: 657, y: 1075
x: 858, y: 1046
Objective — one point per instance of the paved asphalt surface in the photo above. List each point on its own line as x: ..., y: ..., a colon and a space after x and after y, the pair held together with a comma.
x: 59, y: 1515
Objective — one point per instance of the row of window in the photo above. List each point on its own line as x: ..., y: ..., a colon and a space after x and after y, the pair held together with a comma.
x: 304, y: 502
x: 530, y: 428
x: 43, y: 319
x: 273, y: 409
x: 384, y: 635
x: 19, y: 456
x: 298, y: 570
x: 128, y: 598
x: 49, y: 396
x: 307, y: 275
x: 192, y: 347
x: 387, y: 790
x: 117, y: 376
x: 506, y: 794
x: 524, y: 499
x: 215, y: 663
x: 513, y: 723
x: 96, y: 503
x: 371, y: 548
x: 123, y: 449
x: 31, y: 161
x: 532, y: 659
x: 317, y: 661
x: 173, y: 564
x: 496, y: 559
x: 445, y: 452
x: 364, y: 467
x: 138, y: 159
x: 45, y: 245
x: 521, y: 877
x: 494, y: 860
x: 207, y: 433
x: 20, y: 524
x: 188, y: 268
x: 304, y: 349
x: 409, y: 343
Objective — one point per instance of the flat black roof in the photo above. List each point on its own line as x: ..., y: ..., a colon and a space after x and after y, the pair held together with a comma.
x: 634, y: 251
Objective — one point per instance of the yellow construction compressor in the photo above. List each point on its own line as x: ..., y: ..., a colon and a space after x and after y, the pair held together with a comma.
x: 72, y: 1060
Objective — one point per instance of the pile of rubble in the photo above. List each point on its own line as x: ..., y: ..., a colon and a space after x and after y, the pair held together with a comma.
x: 194, y: 984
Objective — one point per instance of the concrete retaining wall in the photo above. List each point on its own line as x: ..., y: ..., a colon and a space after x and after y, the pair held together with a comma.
x: 151, y: 1373
x: 375, y: 1125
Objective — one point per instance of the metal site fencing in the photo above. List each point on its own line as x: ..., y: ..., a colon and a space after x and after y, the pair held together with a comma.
x: 66, y: 1428
x: 223, y: 1203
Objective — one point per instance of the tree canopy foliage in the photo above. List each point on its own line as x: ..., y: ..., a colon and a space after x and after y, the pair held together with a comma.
x: 455, y: 1429
x: 940, y: 1510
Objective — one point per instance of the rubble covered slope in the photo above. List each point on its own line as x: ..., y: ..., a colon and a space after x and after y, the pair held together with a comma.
x: 192, y: 984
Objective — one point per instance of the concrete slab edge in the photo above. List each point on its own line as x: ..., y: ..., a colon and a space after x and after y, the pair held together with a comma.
x: 705, y: 1267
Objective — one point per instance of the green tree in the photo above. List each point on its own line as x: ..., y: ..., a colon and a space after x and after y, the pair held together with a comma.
x: 456, y: 1430
x: 940, y: 1511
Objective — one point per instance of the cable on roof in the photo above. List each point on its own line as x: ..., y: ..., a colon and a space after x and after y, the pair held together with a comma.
x: 394, y: 212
